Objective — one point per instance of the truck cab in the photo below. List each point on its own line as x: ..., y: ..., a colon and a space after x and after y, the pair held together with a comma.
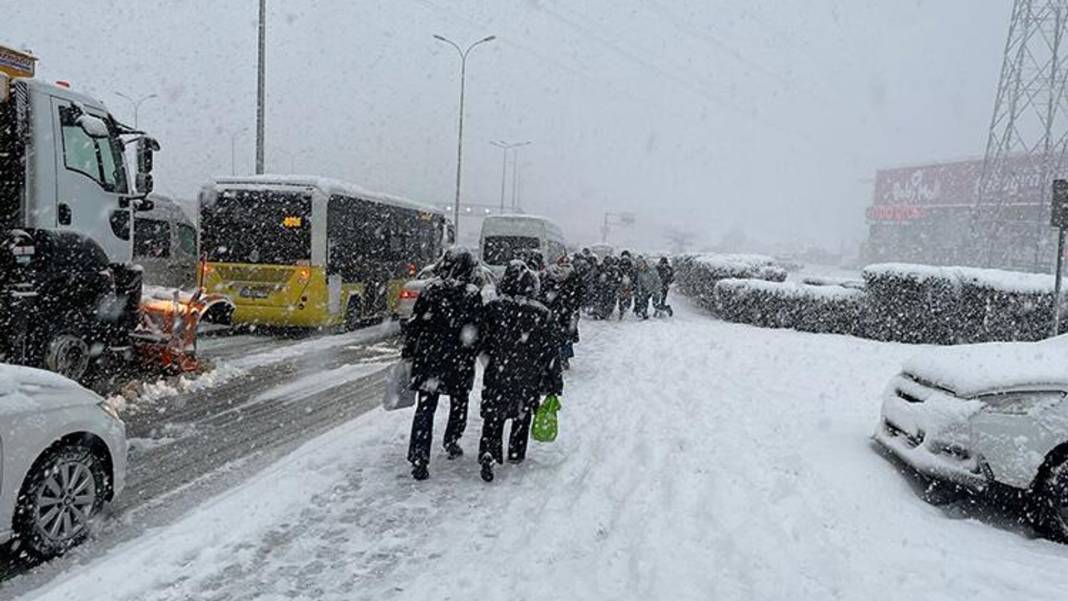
x: 68, y: 286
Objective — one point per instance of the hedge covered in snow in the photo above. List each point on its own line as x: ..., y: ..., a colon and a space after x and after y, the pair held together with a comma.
x: 822, y: 309
x: 895, y: 301
x: 696, y: 275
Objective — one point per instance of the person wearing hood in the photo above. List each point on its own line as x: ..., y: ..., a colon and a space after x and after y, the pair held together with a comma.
x: 609, y: 281
x: 648, y: 287
x: 441, y: 341
x: 628, y: 283
x: 523, y: 364
x: 562, y: 292
x: 667, y: 276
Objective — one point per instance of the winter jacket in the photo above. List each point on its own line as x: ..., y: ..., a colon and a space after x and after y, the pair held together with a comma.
x: 517, y: 336
x: 441, y: 338
x: 563, y: 292
x: 648, y: 281
x: 667, y: 273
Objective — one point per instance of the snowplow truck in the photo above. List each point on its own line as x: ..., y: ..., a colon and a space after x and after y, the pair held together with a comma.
x: 70, y: 293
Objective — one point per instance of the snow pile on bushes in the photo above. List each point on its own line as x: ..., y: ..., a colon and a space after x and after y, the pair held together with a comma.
x: 952, y: 305
x: 697, y: 274
x: 894, y: 302
x: 822, y: 309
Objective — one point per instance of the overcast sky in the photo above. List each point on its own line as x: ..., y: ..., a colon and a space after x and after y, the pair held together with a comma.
x: 700, y: 115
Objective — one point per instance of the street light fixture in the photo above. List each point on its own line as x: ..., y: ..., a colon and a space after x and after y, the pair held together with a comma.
x: 136, y: 103
x: 505, y: 146
x: 460, y: 134
x: 233, y: 149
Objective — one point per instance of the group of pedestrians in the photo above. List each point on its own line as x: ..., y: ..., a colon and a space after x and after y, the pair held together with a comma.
x: 526, y: 333
x: 624, y: 283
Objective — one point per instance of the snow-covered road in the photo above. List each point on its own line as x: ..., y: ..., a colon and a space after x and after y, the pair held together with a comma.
x: 697, y: 460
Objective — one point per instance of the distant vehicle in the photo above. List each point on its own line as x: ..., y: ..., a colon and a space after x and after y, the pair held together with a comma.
x: 312, y: 252
x: 62, y: 455
x: 504, y: 237
x: 987, y: 414
x: 413, y: 288
x: 165, y: 245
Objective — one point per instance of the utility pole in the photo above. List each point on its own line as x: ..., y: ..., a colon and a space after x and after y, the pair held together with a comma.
x: 1027, y: 140
x: 505, y: 146
x: 460, y: 130
x: 261, y: 87
x: 136, y: 104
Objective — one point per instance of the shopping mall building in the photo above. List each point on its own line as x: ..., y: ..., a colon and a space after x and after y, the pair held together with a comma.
x: 932, y: 214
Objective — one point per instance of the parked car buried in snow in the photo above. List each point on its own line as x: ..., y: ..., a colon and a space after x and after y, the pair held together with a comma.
x: 62, y: 455
x: 987, y: 414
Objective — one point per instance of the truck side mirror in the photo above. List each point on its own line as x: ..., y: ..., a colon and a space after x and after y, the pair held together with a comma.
x: 146, y: 146
x: 94, y: 127
x: 144, y: 185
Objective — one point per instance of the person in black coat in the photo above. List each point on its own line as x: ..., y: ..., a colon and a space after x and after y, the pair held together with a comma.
x: 562, y: 292
x: 441, y: 341
x: 628, y: 282
x: 608, y: 283
x: 523, y: 363
x: 667, y: 276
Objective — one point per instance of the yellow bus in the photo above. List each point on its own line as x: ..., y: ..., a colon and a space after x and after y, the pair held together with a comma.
x: 312, y: 252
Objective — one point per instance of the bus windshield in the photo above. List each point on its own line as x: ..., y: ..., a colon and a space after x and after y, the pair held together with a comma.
x: 499, y: 250
x: 257, y: 226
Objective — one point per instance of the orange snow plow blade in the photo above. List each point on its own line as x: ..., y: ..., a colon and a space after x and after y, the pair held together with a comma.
x: 167, y: 333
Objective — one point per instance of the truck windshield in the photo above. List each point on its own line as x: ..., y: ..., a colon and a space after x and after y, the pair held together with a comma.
x: 257, y: 226
x: 499, y: 250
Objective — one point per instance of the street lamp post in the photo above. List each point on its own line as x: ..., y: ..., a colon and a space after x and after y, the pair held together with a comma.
x: 505, y: 146
x: 261, y: 87
x: 136, y: 103
x: 233, y: 149
x: 460, y: 135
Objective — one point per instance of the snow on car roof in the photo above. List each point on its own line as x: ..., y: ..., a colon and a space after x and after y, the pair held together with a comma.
x: 329, y: 186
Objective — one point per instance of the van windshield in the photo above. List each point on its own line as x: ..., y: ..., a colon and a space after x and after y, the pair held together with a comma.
x: 499, y: 250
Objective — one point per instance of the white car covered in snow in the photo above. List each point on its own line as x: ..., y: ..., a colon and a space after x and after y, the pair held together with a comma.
x: 63, y: 455
x: 981, y: 414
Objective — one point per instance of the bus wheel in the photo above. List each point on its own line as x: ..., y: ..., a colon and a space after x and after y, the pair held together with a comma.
x: 353, y: 314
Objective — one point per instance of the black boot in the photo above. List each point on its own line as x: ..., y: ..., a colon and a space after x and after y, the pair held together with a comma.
x: 454, y: 450
x: 487, y: 471
x: 420, y: 471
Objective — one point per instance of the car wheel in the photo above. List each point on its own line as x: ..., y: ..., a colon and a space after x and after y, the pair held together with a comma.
x: 67, y: 354
x: 62, y: 493
x: 353, y: 314
x: 1049, y: 503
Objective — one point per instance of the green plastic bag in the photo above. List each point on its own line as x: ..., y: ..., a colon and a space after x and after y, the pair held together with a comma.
x: 545, y: 422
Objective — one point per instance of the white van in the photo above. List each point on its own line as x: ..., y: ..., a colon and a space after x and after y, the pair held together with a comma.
x: 504, y: 237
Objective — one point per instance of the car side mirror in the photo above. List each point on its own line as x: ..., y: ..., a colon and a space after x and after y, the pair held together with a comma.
x: 144, y: 184
x: 146, y: 147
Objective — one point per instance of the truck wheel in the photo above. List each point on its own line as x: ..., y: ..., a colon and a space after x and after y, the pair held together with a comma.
x: 64, y: 490
x: 353, y: 314
x: 1049, y: 502
x: 67, y: 354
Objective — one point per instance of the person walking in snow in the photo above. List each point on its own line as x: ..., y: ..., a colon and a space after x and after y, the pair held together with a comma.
x: 516, y: 335
x: 561, y: 293
x: 627, y: 282
x: 441, y: 341
x: 608, y: 283
x: 667, y: 276
x: 647, y: 289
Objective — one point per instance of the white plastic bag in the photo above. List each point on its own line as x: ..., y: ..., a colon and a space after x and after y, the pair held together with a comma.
x: 397, y: 394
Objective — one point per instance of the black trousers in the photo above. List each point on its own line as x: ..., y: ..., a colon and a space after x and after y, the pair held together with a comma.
x: 423, y: 424
x: 492, y: 443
